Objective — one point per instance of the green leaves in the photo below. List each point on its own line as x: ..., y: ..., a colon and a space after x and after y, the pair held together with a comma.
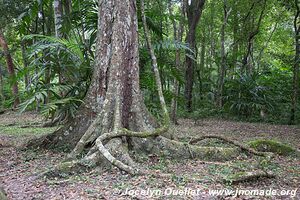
x: 172, y: 45
x: 59, y: 105
x: 245, y: 96
x: 48, y: 42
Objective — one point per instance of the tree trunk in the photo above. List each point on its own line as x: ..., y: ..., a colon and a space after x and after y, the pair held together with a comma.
x: 246, y: 65
x: 25, y: 63
x: 58, y: 15
x: 58, y: 21
x: 114, y: 95
x: 193, y: 10
x: 11, y: 70
x: 235, y: 49
x: 296, y: 64
x: 67, y: 7
x: 177, y: 37
x: 222, y: 69
x: 116, y: 66
x: 1, y: 84
x: 46, y: 21
x: 212, y: 34
x: 202, y: 62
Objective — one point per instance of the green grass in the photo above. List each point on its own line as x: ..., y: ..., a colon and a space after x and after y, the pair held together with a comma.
x: 19, y: 131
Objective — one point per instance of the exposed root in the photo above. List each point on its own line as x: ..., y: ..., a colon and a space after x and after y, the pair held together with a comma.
x: 124, y: 132
x: 180, y: 150
x: 248, y: 176
x: 113, y: 160
x: 233, y: 142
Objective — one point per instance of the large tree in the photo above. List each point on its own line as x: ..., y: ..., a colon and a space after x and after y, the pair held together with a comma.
x: 113, y: 117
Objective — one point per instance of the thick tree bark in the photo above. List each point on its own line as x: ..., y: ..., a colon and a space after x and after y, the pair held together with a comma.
x: 193, y: 10
x: 116, y: 67
x: 123, y: 108
x: 10, y: 69
x: 296, y: 64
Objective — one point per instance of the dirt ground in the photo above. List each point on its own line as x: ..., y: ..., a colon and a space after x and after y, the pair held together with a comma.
x: 19, y: 169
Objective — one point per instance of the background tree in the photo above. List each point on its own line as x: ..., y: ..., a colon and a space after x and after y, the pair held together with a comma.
x: 194, y: 10
x: 296, y: 64
x: 223, y: 63
x: 10, y: 69
x: 258, y: 33
x: 178, y: 34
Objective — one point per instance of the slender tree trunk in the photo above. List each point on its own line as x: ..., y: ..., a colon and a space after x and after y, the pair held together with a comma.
x: 25, y: 63
x: 212, y: 56
x: 177, y: 37
x: 36, y: 71
x: 202, y: 61
x: 58, y: 20
x: 58, y: 17
x: 223, y: 63
x: 1, y: 84
x: 246, y: 65
x: 235, y: 49
x: 261, y: 52
x: 296, y: 64
x: 46, y: 31
x: 67, y: 7
x: 10, y: 69
x: 193, y: 10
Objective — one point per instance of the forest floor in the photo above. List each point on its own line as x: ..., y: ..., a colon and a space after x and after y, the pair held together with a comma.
x: 19, y: 169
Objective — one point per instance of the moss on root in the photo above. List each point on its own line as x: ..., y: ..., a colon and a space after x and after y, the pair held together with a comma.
x: 274, y: 146
x: 179, y: 150
x: 247, y: 176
